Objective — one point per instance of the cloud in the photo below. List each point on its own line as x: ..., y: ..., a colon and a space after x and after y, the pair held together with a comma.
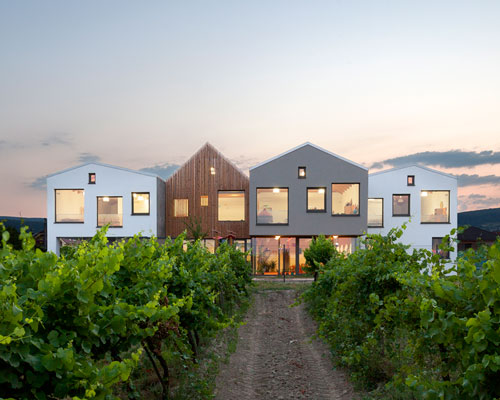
x: 39, y: 183
x: 445, y: 159
x: 88, y: 158
x: 57, y: 139
x: 474, y: 180
x: 477, y: 201
x: 245, y: 163
x: 162, y: 170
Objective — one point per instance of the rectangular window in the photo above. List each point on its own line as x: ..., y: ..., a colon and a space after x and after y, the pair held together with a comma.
x: 436, y: 242
x: 181, y: 208
x: 272, y: 206
x: 345, y: 198
x: 69, y: 205
x: 316, y: 199
x: 401, y: 205
x: 91, y: 178
x: 410, y: 180
x: 232, y: 205
x: 435, y: 206
x: 204, y: 201
x: 376, y: 213
x: 110, y: 211
x: 302, y: 172
x: 140, y: 203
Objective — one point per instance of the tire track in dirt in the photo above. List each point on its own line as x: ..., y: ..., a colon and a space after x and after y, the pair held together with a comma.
x: 275, y: 357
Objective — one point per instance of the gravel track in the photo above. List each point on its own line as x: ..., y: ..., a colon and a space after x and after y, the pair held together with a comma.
x: 275, y: 357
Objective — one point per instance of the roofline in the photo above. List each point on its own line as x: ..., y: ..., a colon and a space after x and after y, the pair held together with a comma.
x: 417, y: 166
x: 312, y: 145
x: 104, y: 165
x: 207, y: 144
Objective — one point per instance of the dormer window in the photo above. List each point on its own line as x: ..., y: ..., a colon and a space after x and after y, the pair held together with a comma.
x: 91, y: 178
x: 410, y: 180
x: 302, y: 172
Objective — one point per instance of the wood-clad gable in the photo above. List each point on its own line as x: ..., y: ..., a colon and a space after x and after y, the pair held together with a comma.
x: 193, y: 180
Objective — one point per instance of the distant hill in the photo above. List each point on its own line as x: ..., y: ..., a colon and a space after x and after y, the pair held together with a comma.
x: 488, y: 219
x: 35, y: 224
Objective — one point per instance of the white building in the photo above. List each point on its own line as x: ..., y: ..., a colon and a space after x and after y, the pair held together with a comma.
x: 82, y: 199
x: 424, y: 198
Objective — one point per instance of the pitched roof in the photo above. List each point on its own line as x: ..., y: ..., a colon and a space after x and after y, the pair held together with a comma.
x: 314, y: 146
x: 412, y: 166
x: 473, y: 233
x: 213, y: 149
x: 104, y: 165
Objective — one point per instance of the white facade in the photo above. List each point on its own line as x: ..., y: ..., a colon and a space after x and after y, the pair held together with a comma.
x: 110, y: 181
x: 422, y: 225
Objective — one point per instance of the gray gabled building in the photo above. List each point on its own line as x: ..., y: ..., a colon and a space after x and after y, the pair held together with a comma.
x: 300, y: 194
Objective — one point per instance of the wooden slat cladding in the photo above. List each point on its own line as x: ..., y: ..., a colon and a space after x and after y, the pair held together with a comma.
x: 193, y: 180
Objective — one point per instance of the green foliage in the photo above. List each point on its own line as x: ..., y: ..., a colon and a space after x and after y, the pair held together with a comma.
x: 320, y: 251
x: 422, y: 326
x: 194, y: 228
x: 77, y: 326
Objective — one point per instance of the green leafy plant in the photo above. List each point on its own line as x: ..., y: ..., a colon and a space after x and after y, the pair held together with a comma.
x: 319, y: 252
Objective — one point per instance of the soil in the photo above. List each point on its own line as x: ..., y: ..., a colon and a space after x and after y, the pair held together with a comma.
x: 275, y: 357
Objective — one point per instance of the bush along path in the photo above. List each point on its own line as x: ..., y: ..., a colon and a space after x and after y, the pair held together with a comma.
x: 410, y: 325
x: 275, y: 357
x: 82, y: 325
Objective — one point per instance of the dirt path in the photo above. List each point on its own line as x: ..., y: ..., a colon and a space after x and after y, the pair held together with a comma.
x: 275, y: 358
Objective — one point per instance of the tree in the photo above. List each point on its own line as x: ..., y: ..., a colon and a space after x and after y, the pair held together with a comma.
x: 320, y: 251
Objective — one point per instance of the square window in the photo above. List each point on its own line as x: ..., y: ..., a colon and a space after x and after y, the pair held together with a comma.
x: 302, y: 172
x: 272, y: 206
x: 181, y: 207
x: 140, y: 203
x: 345, y: 198
x: 410, y: 180
x: 435, y: 206
x: 231, y: 205
x: 316, y: 199
x: 91, y: 178
x: 204, y: 201
x: 110, y: 211
x: 400, y: 205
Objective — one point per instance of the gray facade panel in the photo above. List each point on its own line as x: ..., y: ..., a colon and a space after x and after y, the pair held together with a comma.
x: 160, y: 207
x: 322, y: 169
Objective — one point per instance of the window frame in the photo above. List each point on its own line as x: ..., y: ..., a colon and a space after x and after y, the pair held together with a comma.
x: 202, y: 197
x: 449, y: 204
x: 375, y: 226
x: 173, y: 205
x: 244, y: 205
x: 409, y: 205
x: 55, y: 207
x: 97, y: 211
x: 257, y: 205
x: 305, y: 172
x: 440, y: 256
x: 132, y: 201
x: 92, y: 174
x: 324, y: 200
x: 359, y: 199
x: 412, y: 178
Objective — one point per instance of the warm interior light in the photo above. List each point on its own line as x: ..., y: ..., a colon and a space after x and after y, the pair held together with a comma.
x: 212, y: 170
x: 106, y: 199
x: 424, y: 194
x: 302, y: 172
x: 321, y: 191
x: 135, y: 194
x: 140, y: 198
x: 277, y: 237
x: 335, y: 237
x: 276, y: 190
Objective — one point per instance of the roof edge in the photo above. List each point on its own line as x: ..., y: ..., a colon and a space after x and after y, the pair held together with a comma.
x: 417, y: 166
x: 314, y: 146
x: 104, y: 165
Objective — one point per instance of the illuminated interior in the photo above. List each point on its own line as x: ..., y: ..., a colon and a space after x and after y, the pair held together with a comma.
x: 345, y: 198
x: 140, y: 203
x: 232, y: 206
x: 435, y: 206
x: 401, y: 204
x: 109, y: 211
x: 69, y: 205
x: 375, y: 213
x: 316, y: 199
x: 272, y: 206
x: 181, y: 207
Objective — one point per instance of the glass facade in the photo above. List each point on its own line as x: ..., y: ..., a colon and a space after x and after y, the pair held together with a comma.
x: 110, y: 211
x: 231, y: 206
x: 272, y: 206
x: 69, y: 205
x: 375, y: 213
x: 345, y: 198
x: 435, y: 206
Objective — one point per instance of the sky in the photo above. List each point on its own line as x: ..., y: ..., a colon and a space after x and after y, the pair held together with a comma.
x: 144, y: 85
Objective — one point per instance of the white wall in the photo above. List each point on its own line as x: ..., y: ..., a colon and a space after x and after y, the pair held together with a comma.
x: 418, y: 235
x: 110, y: 181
